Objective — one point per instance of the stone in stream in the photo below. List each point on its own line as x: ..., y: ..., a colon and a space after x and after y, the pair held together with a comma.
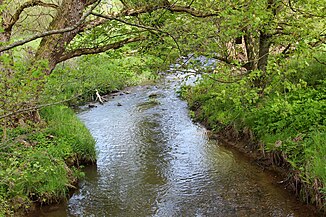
x: 119, y: 104
x: 154, y: 95
x: 116, y: 93
x: 91, y: 105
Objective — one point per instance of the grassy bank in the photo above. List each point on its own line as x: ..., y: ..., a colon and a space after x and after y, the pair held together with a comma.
x: 40, y: 163
x: 285, y: 121
x: 79, y: 79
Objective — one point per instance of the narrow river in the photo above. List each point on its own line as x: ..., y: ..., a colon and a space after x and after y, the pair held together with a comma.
x: 154, y: 161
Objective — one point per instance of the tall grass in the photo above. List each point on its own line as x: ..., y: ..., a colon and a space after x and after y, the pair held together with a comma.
x: 316, y: 153
x: 64, y: 124
x: 39, y: 163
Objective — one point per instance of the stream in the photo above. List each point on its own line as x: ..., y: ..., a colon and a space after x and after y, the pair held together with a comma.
x: 154, y: 161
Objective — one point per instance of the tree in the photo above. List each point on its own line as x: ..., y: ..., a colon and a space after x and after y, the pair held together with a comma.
x: 70, y: 20
x: 251, y: 36
x: 79, y: 27
x: 71, y: 28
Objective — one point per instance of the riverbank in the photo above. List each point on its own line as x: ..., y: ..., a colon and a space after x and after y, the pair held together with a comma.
x: 292, y: 179
x: 40, y: 163
x: 283, y: 131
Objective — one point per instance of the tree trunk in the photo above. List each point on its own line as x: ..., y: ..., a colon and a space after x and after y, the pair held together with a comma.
x: 6, y: 34
x: 52, y: 47
x: 264, y: 45
x: 250, y: 50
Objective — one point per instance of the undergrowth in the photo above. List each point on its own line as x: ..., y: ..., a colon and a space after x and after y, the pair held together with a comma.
x: 288, y: 116
x: 40, y: 162
x: 103, y: 72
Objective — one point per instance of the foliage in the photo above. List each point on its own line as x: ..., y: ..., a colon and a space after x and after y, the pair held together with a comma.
x: 19, y: 87
x: 221, y: 104
x: 287, y: 116
x: 40, y: 161
x: 34, y: 163
x: 105, y: 72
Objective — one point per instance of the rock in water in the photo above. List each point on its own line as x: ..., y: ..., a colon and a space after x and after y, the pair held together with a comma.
x: 154, y: 95
x: 92, y: 105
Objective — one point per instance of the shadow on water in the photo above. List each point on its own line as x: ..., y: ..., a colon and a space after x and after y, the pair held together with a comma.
x: 153, y: 161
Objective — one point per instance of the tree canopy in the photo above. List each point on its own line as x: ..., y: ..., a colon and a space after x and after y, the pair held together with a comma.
x: 244, y: 36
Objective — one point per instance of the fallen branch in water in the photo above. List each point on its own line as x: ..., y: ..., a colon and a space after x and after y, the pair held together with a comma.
x: 98, y: 97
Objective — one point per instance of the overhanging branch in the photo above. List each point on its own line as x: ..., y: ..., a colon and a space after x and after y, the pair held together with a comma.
x: 127, y: 12
x: 295, y: 10
x: 96, y: 50
x: 139, y: 26
x: 191, y: 11
x: 24, y: 6
x: 35, y: 108
x: 170, y: 7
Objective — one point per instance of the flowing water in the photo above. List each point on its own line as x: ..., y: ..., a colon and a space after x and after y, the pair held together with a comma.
x: 154, y: 161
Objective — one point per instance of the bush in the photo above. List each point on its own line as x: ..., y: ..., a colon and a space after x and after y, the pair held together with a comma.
x: 101, y: 72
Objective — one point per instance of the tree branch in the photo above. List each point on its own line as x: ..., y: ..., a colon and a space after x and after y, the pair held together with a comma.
x: 90, y: 2
x: 303, y: 12
x: 172, y: 8
x: 34, y: 108
x: 24, y: 6
x: 286, y: 49
x: 320, y: 62
x: 207, y: 73
x: 127, y: 12
x: 139, y: 26
x: 191, y: 11
x: 96, y: 50
x: 51, y: 32
x: 232, y: 64
x: 92, y: 24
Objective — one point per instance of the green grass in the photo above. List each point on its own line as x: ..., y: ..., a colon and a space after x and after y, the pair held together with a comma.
x: 67, y: 128
x: 39, y: 163
x: 103, y: 72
